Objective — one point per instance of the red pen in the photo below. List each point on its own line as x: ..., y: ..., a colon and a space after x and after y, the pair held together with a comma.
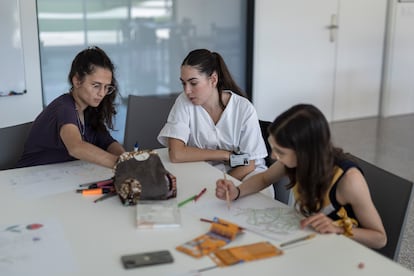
x: 200, y: 194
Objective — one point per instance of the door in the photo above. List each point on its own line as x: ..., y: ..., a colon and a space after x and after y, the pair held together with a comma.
x: 325, y: 52
x: 399, y: 78
x: 359, y: 58
x: 294, y: 55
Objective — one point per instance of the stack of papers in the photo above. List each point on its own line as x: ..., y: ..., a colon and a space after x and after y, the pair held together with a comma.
x: 158, y: 214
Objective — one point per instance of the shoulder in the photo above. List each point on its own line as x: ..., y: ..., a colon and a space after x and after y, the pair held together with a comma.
x: 241, y: 103
x: 182, y: 99
x: 63, y: 101
x: 182, y: 104
x: 237, y: 98
x: 352, y: 186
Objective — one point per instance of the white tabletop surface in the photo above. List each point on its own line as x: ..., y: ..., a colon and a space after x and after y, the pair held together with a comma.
x: 96, y: 235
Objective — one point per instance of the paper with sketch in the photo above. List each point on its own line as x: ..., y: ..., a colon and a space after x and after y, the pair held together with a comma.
x: 35, y: 248
x: 257, y: 213
x: 39, y: 181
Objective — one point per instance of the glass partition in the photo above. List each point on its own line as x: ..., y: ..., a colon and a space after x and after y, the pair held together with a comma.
x: 146, y: 40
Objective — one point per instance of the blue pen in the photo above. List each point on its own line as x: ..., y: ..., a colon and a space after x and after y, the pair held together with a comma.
x: 136, y: 146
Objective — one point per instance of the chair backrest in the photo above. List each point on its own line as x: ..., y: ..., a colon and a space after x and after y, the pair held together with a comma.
x: 280, y: 192
x: 264, y: 125
x: 391, y: 195
x: 12, y: 141
x: 146, y: 115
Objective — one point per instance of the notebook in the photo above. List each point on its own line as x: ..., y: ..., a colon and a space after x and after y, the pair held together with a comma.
x: 153, y: 214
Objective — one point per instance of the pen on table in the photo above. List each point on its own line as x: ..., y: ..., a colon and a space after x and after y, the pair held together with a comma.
x: 227, y: 193
x: 216, y: 221
x: 105, y: 196
x: 185, y: 201
x: 98, y: 184
x: 97, y: 191
x: 101, y: 185
x: 310, y: 236
x: 136, y: 147
x: 200, y: 194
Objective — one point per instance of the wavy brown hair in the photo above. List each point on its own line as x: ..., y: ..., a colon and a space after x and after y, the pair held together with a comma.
x: 304, y: 129
x: 84, y: 64
x: 208, y: 62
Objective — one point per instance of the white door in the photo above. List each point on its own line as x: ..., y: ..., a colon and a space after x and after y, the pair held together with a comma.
x: 299, y: 57
x: 399, y: 77
x: 360, y: 48
x: 294, y: 55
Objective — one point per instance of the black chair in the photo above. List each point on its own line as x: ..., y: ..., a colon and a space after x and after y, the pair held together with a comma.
x: 281, y: 193
x: 146, y: 115
x: 391, y: 195
x: 12, y: 141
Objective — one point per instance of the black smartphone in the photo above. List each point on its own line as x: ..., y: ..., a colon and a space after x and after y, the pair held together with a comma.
x: 147, y: 258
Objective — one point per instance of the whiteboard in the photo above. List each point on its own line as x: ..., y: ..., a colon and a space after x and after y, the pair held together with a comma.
x: 19, y: 17
x: 12, y: 76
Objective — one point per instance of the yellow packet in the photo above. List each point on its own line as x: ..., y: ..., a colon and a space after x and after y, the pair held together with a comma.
x: 220, y: 234
x: 245, y: 253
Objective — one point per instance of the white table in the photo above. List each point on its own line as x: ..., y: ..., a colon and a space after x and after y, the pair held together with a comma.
x: 97, y: 234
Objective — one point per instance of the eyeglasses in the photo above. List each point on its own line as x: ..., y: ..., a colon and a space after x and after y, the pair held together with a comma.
x: 109, y: 89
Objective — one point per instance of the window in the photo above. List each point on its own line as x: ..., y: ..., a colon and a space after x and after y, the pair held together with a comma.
x: 146, y: 40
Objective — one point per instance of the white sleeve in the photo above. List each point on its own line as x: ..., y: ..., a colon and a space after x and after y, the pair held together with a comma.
x: 178, y: 122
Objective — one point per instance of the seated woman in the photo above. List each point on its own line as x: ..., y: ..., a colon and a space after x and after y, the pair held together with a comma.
x: 75, y: 125
x: 329, y: 188
x: 212, y: 120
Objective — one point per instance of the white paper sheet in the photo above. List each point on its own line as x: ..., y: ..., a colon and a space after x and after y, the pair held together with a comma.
x: 268, y: 218
x: 35, y: 248
x: 47, y: 180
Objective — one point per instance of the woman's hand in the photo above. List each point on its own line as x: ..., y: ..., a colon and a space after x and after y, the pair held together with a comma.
x: 321, y: 223
x: 224, y: 185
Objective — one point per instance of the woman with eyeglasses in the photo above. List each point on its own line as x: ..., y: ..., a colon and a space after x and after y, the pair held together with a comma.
x: 75, y: 125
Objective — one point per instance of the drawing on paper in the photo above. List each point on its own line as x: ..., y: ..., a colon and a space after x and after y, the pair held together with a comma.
x: 275, y: 220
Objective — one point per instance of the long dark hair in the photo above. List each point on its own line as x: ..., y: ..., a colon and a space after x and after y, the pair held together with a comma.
x: 208, y: 62
x: 84, y: 64
x: 304, y: 129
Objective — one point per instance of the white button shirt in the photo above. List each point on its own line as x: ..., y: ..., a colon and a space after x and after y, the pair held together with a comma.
x: 237, y: 129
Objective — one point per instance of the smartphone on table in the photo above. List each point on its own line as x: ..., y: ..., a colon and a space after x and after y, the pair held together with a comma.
x: 146, y: 259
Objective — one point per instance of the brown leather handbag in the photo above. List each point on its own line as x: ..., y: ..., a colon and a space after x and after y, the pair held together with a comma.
x: 140, y: 175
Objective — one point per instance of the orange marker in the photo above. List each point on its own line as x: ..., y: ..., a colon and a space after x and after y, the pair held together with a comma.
x: 97, y: 191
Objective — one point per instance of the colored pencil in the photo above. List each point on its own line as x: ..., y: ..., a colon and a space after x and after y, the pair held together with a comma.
x: 185, y: 201
x: 310, y: 236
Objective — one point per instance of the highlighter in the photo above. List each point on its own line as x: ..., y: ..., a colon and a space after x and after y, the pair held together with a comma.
x: 97, y: 191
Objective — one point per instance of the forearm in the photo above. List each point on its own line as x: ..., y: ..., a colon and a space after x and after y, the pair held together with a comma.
x: 91, y: 153
x: 193, y: 154
x: 116, y: 148
x: 369, y: 237
x: 241, y: 171
x: 253, y: 184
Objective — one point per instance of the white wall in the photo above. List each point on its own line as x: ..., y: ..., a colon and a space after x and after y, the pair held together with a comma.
x: 20, y: 109
x: 398, y: 89
x: 398, y: 94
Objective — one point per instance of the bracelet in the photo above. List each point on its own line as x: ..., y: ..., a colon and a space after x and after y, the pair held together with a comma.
x: 238, y: 193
